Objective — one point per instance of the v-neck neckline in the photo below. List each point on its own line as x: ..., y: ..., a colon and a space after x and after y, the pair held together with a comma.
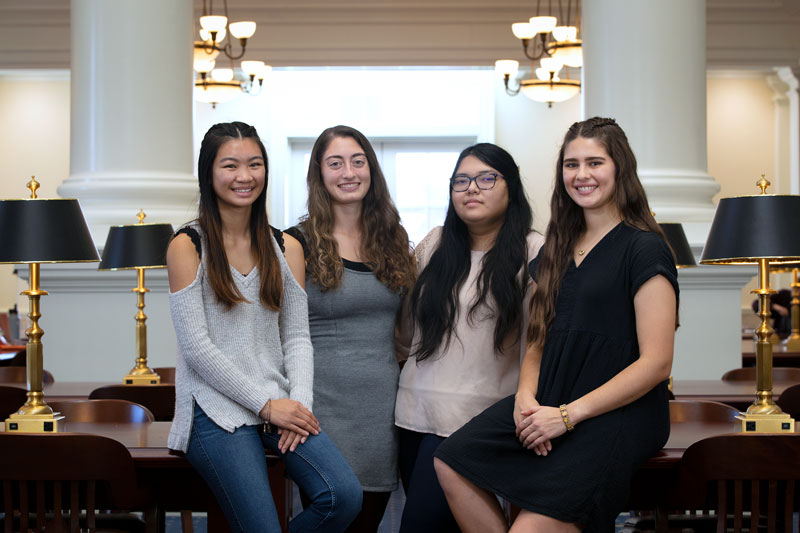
x: 592, y: 249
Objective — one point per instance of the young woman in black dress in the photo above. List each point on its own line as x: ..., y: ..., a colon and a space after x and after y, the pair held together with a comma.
x: 592, y: 401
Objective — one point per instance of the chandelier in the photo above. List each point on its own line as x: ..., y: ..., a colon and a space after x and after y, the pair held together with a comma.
x: 218, y: 85
x: 555, y: 47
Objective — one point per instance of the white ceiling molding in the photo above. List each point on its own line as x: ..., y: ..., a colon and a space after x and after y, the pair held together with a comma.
x: 742, y: 34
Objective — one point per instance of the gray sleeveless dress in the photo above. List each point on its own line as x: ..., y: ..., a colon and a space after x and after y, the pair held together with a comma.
x: 356, y: 372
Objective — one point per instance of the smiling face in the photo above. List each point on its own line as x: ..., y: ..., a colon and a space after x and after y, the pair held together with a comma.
x: 345, y: 171
x: 480, y: 207
x: 589, y: 175
x: 238, y: 173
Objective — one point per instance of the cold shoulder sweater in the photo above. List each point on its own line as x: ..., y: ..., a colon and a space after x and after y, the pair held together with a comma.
x: 231, y: 361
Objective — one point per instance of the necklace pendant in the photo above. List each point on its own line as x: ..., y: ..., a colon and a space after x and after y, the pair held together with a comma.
x: 581, y: 252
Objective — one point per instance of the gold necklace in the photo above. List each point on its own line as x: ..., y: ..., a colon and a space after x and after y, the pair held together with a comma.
x: 581, y: 252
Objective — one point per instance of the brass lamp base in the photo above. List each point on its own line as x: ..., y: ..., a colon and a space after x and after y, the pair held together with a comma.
x: 792, y: 344
x: 142, y: 379
x: 48, y: 423
x: 773, y: 423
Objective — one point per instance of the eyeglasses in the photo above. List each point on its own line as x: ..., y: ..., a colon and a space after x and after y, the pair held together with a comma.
x: 484, y: 181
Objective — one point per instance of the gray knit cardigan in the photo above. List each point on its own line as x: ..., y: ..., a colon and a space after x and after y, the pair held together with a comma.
x: 231, y: 361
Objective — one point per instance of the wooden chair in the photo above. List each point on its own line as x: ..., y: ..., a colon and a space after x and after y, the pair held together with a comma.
x: 54, y: 478
x: 18, y: 374
x: 681, y: 411
x: 737, y: 474
x: 11, y: 399
x: 701, y: 411
x: 789, y: 401
x: 159, y: 399
x: 779, y: 373
x: 102, y: 411
x: 167, y: 373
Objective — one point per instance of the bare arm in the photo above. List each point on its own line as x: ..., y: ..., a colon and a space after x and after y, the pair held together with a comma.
x: 295, y: 259
x: 655, y: 304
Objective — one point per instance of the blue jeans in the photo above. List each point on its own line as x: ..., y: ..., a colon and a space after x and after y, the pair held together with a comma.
x: 235, y: 468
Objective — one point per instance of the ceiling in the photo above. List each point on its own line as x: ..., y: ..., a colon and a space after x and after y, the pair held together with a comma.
x: 742, y: 34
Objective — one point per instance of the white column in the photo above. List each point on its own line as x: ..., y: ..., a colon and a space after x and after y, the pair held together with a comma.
x: 645, y: 66
x: 790, y: 77
x: 130, y: 149
x: 131, y: 122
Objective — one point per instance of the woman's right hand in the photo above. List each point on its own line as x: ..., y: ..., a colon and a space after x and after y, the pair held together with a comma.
x: 291, y: 415
x: 523, y: 409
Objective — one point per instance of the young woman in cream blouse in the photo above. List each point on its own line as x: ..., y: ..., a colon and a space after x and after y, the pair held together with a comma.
x: 464, y: 325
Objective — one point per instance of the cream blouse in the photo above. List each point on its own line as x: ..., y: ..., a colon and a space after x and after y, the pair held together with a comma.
x: 462, y: 379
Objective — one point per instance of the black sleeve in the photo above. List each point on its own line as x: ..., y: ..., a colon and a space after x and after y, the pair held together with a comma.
x: 298, y: 234
x: 192, y: 233
x: 651, y: 256
x: 278, y: 234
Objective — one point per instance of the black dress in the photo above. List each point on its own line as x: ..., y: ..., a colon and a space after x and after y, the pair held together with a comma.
x: 585, y: 479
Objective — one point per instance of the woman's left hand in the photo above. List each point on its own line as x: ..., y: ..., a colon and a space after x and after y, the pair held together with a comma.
x: 289, y: 440
x: 541, y: 424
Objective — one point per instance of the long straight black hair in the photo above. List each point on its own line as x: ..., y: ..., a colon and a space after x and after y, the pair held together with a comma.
x: 219, y: 271
x: 434, y: 300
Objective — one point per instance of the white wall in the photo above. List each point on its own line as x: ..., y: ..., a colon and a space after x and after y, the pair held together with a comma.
x: 34, y: 140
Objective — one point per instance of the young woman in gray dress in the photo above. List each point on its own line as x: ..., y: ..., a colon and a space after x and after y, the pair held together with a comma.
x: 358, y: 265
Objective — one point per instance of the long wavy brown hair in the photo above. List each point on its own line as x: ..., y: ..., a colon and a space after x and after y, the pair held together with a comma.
x: 219, y: 270
x: 384, y: 243
x: 567, y: 222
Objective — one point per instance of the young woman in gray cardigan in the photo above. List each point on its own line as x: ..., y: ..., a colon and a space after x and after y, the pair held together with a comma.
x: 244, y: 367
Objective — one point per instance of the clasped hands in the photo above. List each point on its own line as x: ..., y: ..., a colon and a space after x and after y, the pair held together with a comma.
x: 537, y: 425
x: 294, y: 421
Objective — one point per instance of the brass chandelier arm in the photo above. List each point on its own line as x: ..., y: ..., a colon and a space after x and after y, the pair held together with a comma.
x: 539, y: 42
x: 509, y: 90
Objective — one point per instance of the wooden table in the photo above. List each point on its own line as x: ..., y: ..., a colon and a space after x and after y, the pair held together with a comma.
x: 65, y: 390
x: 739, y: 394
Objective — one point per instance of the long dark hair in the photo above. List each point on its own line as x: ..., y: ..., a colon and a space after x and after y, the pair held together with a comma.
x: 434, y: 300
x: 219, y: 272
x: 567, y: 222
x: 384, y: 243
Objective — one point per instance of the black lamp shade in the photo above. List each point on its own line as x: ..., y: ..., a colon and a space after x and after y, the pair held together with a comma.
x: 136, y: 246
x: 679, y: 244
x: 44, y: 231
x: 749, y: 228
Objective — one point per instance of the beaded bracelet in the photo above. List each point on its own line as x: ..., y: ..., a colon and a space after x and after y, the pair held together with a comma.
x: 565, y: 417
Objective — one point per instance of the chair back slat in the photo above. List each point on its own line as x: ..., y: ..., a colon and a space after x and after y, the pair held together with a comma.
x: 90, y: 504
x: 8, y: 508
x: 24, y: 509
x: 738, y: 508
x: 74, y: 505
x: 755, y: 503
x: 722, y: 507
x: 787, y: 508
x: 57, y: 504
x: 41, y: 516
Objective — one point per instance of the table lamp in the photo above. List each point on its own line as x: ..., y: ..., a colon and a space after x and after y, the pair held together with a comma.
x: 34, y: 231
x: 792, y: 343
x: 684, y: 258
x: 138, y: 246
x: 760, y: 229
